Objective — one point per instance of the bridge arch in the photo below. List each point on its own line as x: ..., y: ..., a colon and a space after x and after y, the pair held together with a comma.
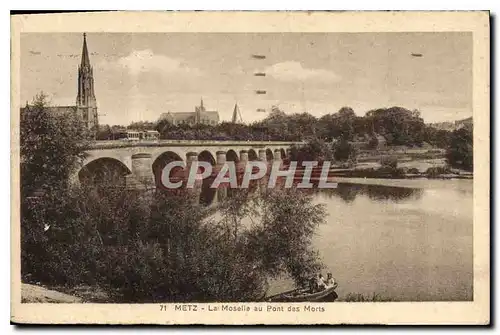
x: 283, y: 153
x: 269, y: 154
x: 104, y: 171
x: 252, y: 155
x: 161, y: 161
x: 206, y: 156
x: 232, y: 156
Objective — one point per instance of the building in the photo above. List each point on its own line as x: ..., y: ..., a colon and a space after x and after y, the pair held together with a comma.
x: 465, y: 123
x: 199, y: 116
x: 86, y: 104
x: 453, y: 125
x: 85, y: 100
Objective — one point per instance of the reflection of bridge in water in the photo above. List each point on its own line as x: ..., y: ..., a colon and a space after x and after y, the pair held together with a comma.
x: 139, y: 164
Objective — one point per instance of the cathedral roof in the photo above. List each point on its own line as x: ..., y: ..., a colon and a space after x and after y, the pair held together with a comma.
x: 188, y: 115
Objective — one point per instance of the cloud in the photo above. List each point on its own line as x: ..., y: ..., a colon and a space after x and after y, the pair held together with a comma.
x: 141, y: 61
x: 293, y: 71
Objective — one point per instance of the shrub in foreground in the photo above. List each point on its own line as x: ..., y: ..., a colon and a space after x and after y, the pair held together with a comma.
x: 141, y: 247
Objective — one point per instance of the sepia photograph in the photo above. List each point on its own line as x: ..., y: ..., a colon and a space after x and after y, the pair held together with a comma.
x: 299, y: 172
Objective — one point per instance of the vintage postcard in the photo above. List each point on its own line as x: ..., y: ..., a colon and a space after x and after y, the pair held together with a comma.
x: 248, y: 168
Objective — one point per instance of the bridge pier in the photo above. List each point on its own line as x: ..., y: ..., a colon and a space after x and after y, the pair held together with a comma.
x: 277, y: 155
x: 141, y: 169
x: 244, y: 157
x: 192, y: 158
x: 221, y: 193
x: 74, y: 179
x: 221, y: 159
x: 262, y: 155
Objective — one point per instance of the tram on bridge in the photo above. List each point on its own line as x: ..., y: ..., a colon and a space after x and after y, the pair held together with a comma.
x: 136, y: 135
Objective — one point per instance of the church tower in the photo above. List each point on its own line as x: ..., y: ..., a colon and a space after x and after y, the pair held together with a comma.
x: 198, y: 112
x: 237, y: 115
x: 85, y: 100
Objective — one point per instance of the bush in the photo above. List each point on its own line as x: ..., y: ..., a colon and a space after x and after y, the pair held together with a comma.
x: 141, y: 246
x: 344, y: 151
x: 460, y: 151
x: 373, y: 142
x: 389, y: 162
x: 436, y: 171
x: 413, y: 171
x: 314, y: 150
x: 144, y: 247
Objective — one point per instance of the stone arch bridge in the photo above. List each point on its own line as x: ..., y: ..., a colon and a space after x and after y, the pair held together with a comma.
x: 143, y: 161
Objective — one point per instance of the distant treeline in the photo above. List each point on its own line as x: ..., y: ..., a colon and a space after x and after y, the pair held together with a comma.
x: 395, y: 125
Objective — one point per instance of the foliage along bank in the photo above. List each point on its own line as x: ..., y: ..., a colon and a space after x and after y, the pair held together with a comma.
x: 150, y: 246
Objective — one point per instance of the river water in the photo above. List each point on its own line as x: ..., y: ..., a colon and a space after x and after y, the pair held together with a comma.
x: 410, y: 243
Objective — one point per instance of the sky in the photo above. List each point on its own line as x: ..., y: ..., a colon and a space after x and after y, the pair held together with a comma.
x: 138, y: 76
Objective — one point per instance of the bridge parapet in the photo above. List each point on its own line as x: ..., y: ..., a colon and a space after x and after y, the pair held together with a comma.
x: 188, y: 143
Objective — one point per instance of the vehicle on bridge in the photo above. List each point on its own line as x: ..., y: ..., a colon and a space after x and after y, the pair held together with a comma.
x: 137, y: 135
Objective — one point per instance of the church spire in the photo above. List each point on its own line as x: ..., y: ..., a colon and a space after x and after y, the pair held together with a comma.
x: 85, y: 53
x: 85, y: 99
x: 236, y: 114
x: 86, y: 96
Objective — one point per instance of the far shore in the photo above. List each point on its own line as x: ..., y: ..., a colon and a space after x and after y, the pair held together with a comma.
x: 410, y: 183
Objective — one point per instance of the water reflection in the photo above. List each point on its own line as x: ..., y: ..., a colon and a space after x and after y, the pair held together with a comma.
x: 345, y: 191
x: 403, y: 243
x: 349, y: 192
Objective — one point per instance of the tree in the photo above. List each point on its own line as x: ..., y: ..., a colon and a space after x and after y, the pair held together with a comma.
x: 398, y: 125
x: 389, y: 162
x: 142, y: 125
x: 437, y: 137
x: 158, y: 247
x: 275, y: 124
x: 345, y: 119
x: 314, y: 150
x: 326, y: 128
x: 303, y: 125
x: 52, y: 146
x: 104, y: 133
x: 340, y: 125
x: 279, y: 240
x: 344, y: 151
x: 460, y: 151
